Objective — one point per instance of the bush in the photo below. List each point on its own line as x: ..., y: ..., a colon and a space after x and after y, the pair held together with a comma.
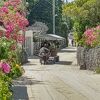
x: 91, y: 37
x: 5, y: 87
x: 16, y: 71
x: 12, y: 20
x: 97, y: 70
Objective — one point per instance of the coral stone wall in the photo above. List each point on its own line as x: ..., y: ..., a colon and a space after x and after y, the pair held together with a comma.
x: 88, y: 58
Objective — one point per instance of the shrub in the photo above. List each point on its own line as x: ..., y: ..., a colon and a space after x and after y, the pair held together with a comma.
x: 97, y: 70
x: 16, y: 71
x: 91, y: 37
x: 12, y: 20
x: 5, y: 87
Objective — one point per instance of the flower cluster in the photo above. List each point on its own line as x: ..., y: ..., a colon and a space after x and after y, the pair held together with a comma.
x: 4, y: 67
x: 12, y: 21
x: 91, y: 36
x: 13, y: 3
x: 12, y: 18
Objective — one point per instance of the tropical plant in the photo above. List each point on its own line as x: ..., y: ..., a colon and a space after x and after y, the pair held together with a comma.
x: 91, y: 37
x: 84, y: 13
x: 12, y: 20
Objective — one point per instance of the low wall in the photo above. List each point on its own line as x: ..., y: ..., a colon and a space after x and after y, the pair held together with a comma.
x: 88, y: 58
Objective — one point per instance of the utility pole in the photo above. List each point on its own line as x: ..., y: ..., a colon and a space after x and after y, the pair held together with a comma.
x: 24, y: 8
x: 25, y: 4
x: 53, y: 5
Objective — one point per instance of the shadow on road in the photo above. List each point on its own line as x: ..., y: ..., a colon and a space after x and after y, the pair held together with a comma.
x: 65, y: 62
x: 67, y: 50
x: 29, y: 64
x: 27, y: 81
x: 20, y: 89
x: 20, y: 93
x: 33, y: 57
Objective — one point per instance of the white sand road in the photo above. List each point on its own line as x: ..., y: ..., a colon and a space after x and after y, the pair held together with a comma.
x: 61, y: 81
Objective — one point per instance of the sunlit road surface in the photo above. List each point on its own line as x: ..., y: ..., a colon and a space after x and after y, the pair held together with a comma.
x: 61, y: 81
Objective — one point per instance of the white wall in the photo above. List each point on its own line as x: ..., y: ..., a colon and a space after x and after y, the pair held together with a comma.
x: 29, y: 42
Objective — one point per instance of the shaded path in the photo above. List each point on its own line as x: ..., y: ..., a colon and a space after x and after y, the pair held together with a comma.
x: 61, y: 81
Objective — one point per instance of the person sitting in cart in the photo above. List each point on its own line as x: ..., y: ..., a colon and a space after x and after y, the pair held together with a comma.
x: 44, y: 54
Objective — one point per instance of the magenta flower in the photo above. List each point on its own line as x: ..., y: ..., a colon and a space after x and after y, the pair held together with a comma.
x: 4, y: 9
x: 9, y: 27
x: 13, y: 19
x: 12, y: 3
x: 98, y: 27
x: 5, y: 67
x: 88, y: 32
x: 91, y: 36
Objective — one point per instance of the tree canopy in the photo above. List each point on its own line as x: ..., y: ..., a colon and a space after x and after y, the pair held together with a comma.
x: 41, y: 10
x: 84, y: 13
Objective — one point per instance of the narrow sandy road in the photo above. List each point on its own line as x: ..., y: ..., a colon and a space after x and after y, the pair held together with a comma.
x: 61, y: 81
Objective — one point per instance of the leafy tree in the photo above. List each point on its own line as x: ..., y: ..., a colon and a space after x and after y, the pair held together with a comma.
x: 59, y: 16
x: 31, y: 4
x: 85, y: 13
x: 41, y: 10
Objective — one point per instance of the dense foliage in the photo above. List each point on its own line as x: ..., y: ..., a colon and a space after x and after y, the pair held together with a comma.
x: 84, y: 13
x: 41, y: 10
x: 12, y: 20
x: 91, y: 37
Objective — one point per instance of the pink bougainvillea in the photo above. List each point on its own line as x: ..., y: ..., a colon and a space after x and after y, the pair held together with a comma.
x: 5, y: 67
x: 91, y: 36
x: 98, y: 27
x: 12, y: 18
x: 13, y: 3
x: 4, y: 9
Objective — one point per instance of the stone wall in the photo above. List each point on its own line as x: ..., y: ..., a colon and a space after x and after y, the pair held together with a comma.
x: 88, y: 58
